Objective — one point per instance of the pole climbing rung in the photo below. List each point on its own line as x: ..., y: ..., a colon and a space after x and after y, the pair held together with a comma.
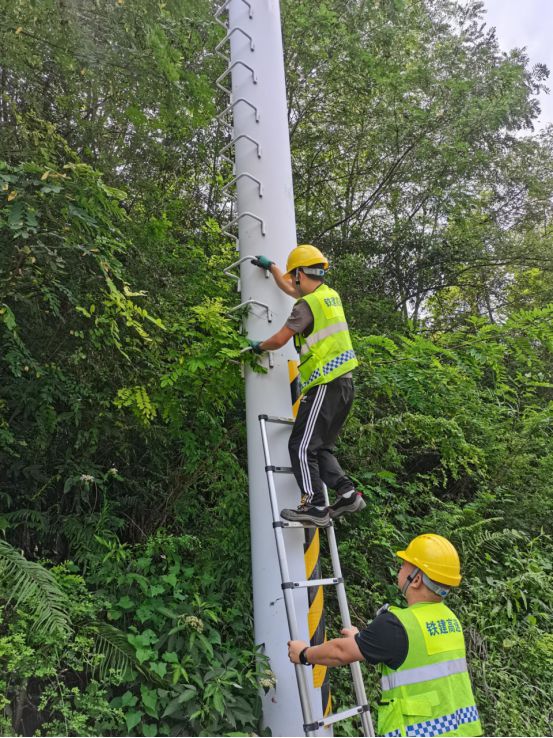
x: 306, y: 583
x: 280, y: 469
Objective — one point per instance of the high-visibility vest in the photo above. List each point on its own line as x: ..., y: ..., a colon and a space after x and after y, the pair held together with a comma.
x: 326, y: 353
x: 430, y: 694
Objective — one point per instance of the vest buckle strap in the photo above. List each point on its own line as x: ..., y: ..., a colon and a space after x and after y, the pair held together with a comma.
x: 443, y: 724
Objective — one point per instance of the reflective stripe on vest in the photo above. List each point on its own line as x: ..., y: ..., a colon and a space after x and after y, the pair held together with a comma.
x: 329, y: 367
x: 423, y: 673
x: 441, y: 725
x: 314, y: 338
x: 446, y: 723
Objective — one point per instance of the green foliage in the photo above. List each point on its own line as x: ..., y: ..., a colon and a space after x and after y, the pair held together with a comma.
x: 47, y: 682
x: 122, y: 442
x: 399, y: 141
x: 452, y: 435
x: 191, y: 668
x: 31, y: 585
x: 167, y: 664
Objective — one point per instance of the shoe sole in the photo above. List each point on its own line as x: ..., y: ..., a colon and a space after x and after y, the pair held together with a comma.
x: 357, y: 504
x: 307, y: 520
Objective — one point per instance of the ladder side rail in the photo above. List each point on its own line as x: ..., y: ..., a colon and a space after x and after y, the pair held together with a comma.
x: 287, y: 593
x: 355, y: 667
x: 275, y: 512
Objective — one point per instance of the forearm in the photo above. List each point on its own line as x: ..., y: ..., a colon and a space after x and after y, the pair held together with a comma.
x: 277, y: 340
x: 286, y: 285
x: 271, y: 344
x: 331, y: 653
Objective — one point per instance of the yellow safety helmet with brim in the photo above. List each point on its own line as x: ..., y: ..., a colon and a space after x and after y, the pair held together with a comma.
x: 435, y: 557
x: 305, y: 255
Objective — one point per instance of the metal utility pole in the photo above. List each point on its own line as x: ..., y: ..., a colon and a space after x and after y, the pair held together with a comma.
x: 266, y: 225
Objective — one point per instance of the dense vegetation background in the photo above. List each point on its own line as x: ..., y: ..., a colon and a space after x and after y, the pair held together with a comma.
x: 123, y: 486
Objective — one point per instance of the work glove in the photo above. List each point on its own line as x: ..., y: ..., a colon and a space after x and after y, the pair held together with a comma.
x: 255, y: 346
x: 263, y: 262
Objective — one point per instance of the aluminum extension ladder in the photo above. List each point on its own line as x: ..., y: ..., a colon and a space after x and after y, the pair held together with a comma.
x: 362, y: 709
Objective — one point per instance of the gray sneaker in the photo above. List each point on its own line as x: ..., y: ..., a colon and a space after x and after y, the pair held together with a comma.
x: 353, y: 503
x: 308, y: 515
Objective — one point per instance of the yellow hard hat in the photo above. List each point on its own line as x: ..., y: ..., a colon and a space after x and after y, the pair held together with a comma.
x: 436, y: 557
x: 305, y: 255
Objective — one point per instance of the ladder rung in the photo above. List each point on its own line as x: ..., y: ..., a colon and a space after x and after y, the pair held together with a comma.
x: 294, y: 524
x: 276, y: 419
x: 306, y: 583
x: 279, y: 469
x: 344, y: 715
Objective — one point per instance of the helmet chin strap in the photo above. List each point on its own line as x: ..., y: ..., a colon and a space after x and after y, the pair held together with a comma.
x: 409, y: 580
x: 440, y: 589
x: 297, y: 277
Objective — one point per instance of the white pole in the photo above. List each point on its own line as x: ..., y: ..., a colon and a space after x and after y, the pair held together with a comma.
x: 266, y: 206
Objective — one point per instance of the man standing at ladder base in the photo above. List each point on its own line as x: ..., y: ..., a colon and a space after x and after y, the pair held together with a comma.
x: 426, y: 689
x: 320, y: 331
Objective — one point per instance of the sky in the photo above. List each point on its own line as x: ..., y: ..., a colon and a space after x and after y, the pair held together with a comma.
x: 526, y: 23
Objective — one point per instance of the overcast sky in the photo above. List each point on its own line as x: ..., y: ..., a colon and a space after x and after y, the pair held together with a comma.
x: 526, y: 23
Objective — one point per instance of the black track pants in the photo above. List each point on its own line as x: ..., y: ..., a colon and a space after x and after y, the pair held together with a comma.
x: 322, y: 413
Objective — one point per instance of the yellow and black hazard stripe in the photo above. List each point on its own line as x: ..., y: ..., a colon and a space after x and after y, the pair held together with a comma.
x: 312, y: 553
x: 316, y: 613
x: 295, y: 389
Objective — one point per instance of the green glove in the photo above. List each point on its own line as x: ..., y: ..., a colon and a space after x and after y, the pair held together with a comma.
x: 263, y: 262
x: 255, y: 345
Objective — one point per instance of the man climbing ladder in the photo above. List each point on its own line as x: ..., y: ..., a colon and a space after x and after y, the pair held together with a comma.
x: 426, y: 688
x: 320, y: 331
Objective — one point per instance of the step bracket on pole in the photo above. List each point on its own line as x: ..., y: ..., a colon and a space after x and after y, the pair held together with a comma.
x: 231, y: 235
x: 233, y: 142
x: 249, y: 138
x: 223, y: 41
x: 234, y: 180
x: 231, y: 107
x: 228, y: 273
x: 253, y: 302
x: 229, y: 69
x: 236, y: 220
x: 224, y: 7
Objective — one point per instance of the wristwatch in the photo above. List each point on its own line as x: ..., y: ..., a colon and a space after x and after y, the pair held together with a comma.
x: 303, y: 657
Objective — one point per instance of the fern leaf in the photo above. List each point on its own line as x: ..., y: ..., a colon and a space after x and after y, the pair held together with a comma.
x: 32, y: 585
x: 118, y: 654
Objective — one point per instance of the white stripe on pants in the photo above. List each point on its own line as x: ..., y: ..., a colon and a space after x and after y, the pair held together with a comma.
x: 312, y: 419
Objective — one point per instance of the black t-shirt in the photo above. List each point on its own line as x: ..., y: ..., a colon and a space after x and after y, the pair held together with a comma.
x: 384, y: 641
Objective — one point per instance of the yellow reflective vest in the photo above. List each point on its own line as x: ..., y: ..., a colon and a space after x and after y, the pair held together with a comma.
x: 430, y: 694
x: 327, y: 353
